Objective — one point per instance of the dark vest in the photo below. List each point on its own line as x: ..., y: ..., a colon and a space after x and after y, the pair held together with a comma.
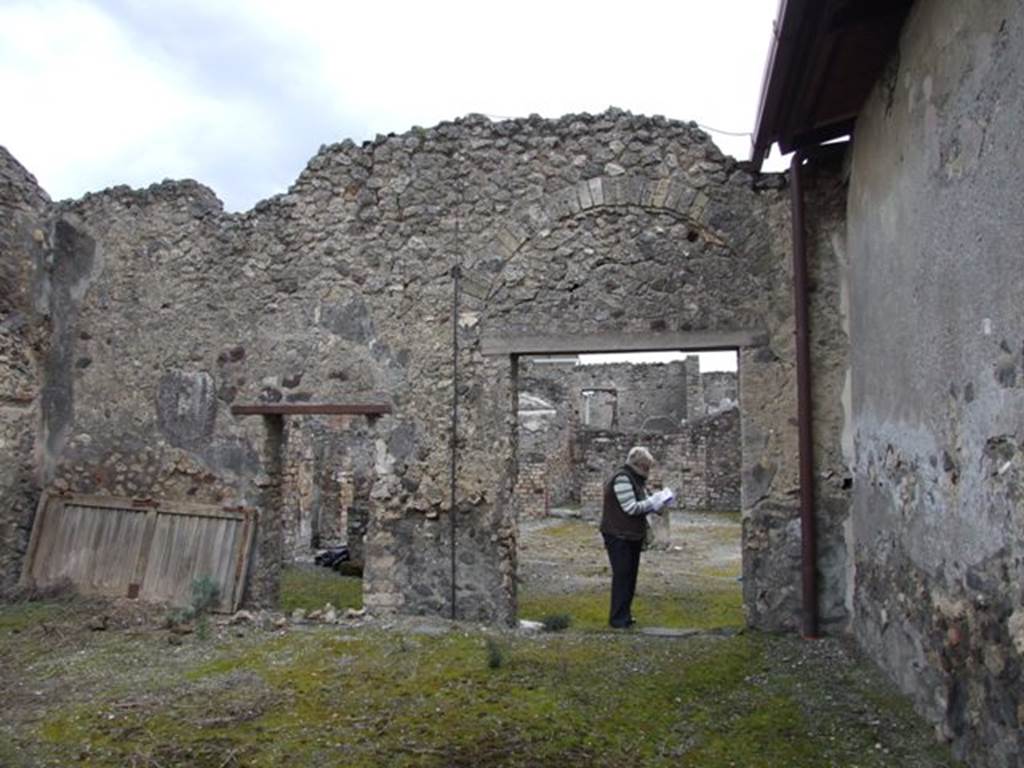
x: 613, y: 520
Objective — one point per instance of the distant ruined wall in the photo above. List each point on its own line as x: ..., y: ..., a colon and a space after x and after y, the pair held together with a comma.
x: 935, y: 250
x: 719, y: 387
x: 711, y: 464
x: 547, y: 444
x: 643, y: 391
x: 603, y: 452
x: 700, y: 462
x: 164, y: 311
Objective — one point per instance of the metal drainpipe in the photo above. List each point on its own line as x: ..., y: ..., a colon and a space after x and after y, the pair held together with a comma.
x: 809, y: 555
x: 808, y: 532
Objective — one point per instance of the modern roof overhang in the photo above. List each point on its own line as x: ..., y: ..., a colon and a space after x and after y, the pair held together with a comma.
x: 825, y: 57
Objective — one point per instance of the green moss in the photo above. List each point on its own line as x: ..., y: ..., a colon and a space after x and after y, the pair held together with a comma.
x: 570, y: 530
x: 774, y: 734
x: 312, y: 588
x: 709, y: 608
x: 369, y: 698
x: 18, y: 617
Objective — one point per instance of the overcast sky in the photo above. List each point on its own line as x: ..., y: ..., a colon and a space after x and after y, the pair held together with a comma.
x: 239, y: 94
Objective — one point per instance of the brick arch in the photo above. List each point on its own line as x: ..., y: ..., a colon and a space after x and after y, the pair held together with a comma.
x: 673, y: 196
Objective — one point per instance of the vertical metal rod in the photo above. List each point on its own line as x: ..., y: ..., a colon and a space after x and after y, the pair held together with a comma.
x: 456, y: 275
x: 808, y: 534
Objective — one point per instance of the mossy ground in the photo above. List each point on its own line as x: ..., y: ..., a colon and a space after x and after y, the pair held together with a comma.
x: 428, y: 693
x: 372, y: 696
x: 707, y: 608
x: 692, y: 587
x: 310, y: 588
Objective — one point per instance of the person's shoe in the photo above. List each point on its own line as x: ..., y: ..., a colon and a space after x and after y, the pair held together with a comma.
x: 631, y: 622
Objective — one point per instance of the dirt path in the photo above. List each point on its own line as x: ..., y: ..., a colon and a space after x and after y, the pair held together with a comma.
x: 564, y: 555
x: 690, y: 581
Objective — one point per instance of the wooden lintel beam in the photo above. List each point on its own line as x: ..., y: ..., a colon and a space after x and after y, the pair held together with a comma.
x: 311, y: 409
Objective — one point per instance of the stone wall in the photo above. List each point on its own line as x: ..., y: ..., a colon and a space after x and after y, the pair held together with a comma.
x: 647, y: 398
x: 721, y: 390
x: 700, y: 461
x: 614, y: 396
x: 603, y: 452
x: 164, y: 311
x: 24, y: 346
x: 642, y: 391
x: 327, y: 477
x: 532, y: 491
x: 935, y: 233
x: 711, y: 463
x: 545, y: 451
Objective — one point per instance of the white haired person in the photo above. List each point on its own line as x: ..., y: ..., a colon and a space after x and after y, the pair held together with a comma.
x: 624, y: 526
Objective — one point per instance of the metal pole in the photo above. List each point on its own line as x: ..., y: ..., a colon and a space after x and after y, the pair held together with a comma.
x: 456, y: 275
x: 805, y: 410
x: 808, y: 534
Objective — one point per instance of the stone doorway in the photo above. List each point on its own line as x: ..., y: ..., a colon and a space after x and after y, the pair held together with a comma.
x: 566, y: 449
x: 565, y: 444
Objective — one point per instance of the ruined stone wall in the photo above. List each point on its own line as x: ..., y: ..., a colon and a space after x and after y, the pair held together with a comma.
x: 649, y: 398
x: 545, y: 450
x: 694, y: 388
x: 700, y: 461
x: 935, y: 233
x: 532, y: 491
x: 327, y: 477
x: 719, y: 387
x: 170, y: 311
x: 643, y: 391
x: 603, y: 452
x: 24, y: 344
x: 711, y: 463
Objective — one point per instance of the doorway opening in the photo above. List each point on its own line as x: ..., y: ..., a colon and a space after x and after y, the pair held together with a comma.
x: 324, y: 475
x: 578, y: 416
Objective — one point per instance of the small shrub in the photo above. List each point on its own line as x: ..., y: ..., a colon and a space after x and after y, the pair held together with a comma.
x: 556, y: 622
x: 496, y: 656
x: 205, y: 594
x: 178, y: 616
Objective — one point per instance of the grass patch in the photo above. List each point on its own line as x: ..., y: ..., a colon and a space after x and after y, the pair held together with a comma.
x: 711, y: 608
x: 556, y: 622
x: 496, y: 655
x: 18, y: 617
x: 374, y: 697
x: 570, y: 530
x: 312, y: 588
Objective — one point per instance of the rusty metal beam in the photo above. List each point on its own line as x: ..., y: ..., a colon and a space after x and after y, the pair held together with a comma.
x: 311, y: 409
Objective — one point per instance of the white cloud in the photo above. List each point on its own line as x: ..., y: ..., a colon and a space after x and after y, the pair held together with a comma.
x: 92, y: 105
x: 239, y: 94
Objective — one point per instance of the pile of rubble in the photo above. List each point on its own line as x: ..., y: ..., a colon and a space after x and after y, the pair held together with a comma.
x: 269, y: 620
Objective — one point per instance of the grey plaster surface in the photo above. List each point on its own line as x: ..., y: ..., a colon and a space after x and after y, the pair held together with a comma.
x: 936, y: 249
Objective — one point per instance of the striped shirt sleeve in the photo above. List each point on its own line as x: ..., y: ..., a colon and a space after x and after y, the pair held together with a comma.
x: 630, y: 504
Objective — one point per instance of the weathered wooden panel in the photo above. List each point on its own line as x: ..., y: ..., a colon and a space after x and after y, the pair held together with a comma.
x: 185, y: 548
x: 139, y: 548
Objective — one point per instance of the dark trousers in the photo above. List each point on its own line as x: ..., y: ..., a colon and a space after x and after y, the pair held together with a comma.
x: 624, y: 556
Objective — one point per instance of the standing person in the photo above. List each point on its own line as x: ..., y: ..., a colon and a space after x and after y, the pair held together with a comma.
x: 623, y: 526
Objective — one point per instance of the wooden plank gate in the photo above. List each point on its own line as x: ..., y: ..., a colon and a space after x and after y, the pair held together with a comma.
x: 139, y: 548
